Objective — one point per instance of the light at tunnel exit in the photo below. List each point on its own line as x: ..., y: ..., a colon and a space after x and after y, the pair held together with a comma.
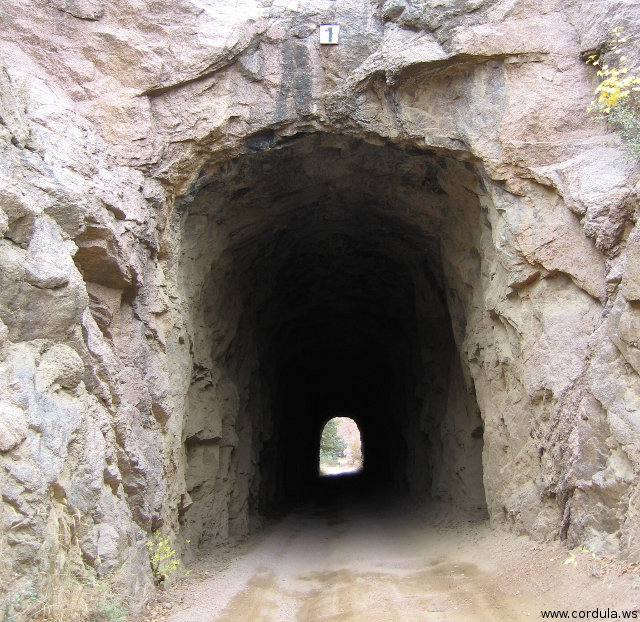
x: 340, y: 448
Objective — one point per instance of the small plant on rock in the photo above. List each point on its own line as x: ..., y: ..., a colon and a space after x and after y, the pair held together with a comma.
x: 163, y: 559
x: 618, y: 94
x: 596, y: 565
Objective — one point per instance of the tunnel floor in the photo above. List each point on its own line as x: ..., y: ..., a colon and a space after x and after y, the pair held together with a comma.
x: 373, y: 557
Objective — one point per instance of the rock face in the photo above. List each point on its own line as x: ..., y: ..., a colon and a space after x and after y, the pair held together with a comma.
x: 218, y: 234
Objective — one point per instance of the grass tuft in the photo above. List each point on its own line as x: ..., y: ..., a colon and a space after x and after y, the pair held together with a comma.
x: 65, y: 590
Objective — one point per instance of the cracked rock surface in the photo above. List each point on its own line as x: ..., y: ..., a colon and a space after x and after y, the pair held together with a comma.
x: 217, y: 234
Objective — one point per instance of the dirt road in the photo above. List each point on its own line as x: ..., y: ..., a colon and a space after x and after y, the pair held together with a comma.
x: 376, y: 561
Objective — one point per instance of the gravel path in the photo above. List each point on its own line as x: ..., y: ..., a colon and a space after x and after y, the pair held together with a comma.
x: 379, y: 561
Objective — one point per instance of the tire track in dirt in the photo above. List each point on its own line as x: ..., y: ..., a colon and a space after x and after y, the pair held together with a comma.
x: 373, y: 563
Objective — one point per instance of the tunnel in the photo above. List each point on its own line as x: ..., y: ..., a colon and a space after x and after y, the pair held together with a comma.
x: 326, y: 274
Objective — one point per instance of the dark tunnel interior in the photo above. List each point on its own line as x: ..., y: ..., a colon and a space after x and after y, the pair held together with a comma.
x: 352, y: 351
x: 324, y: 286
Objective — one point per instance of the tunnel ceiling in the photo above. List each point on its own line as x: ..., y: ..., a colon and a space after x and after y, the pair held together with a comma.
x: 329, y: 223
x: 325, y: 240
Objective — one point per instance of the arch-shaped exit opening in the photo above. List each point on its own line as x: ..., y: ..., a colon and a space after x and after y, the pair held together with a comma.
x: 340, y: 451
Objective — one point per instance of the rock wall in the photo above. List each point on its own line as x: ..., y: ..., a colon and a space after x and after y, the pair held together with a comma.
x: 173, y: 175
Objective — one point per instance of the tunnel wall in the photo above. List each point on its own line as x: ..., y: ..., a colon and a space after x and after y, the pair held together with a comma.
x: 137, y: 382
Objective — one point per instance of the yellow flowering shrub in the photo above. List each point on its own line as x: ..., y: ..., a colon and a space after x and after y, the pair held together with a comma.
x: 618, y: 94
x: 163, y: 559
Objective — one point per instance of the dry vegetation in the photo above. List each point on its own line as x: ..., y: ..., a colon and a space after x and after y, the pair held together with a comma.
x: 64, y: 590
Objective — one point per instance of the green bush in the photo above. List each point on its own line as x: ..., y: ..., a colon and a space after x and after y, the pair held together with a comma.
x: 332, y: 445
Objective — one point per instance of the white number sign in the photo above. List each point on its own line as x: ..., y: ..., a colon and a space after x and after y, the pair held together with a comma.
x: 329, y: 34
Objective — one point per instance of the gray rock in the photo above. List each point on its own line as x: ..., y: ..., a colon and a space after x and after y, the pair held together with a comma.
x: 82, y: 9
x: 214, y: 229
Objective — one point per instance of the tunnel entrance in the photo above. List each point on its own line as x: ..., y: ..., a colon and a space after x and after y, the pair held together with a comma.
x: 340, y: 451
x: 328, y: 274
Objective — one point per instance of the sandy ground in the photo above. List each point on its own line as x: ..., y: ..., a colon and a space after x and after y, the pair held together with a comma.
x: 376, y: 560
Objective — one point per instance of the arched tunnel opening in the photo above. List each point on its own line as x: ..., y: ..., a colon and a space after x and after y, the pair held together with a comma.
x: 340, y: 451
x: 328, y: 274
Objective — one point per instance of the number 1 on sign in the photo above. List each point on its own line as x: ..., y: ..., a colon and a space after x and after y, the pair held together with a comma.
x: 329, y: 34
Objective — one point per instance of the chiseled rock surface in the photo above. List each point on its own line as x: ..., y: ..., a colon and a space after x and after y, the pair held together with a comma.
x: 128, y: 388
